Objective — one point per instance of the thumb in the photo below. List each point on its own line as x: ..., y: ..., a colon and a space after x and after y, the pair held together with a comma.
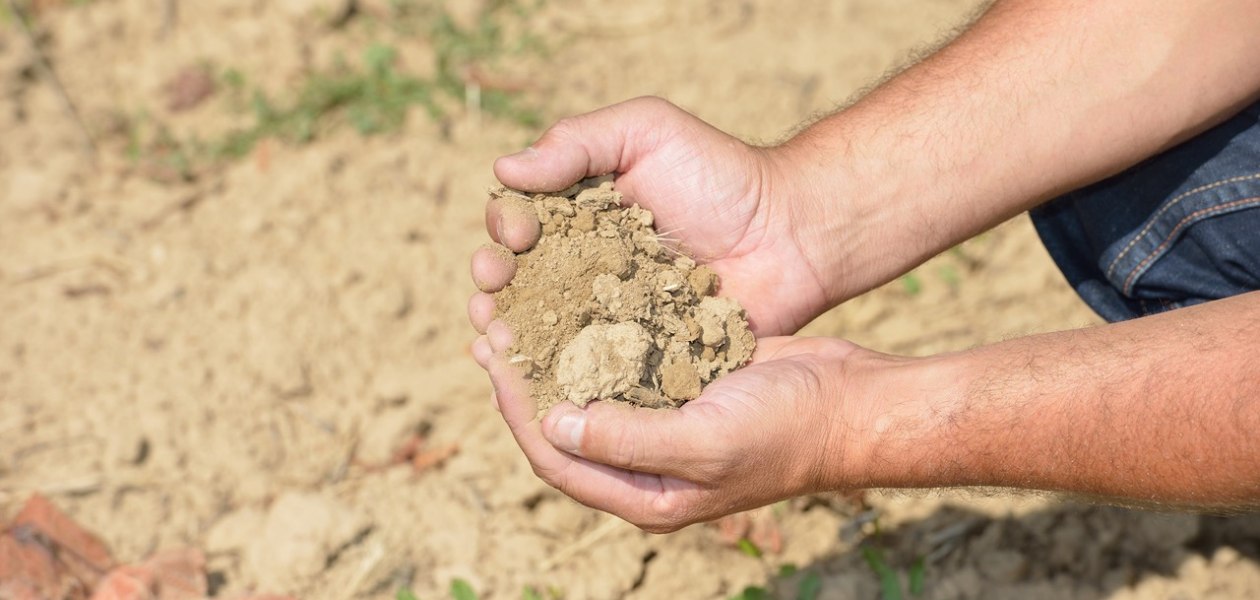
x: 660, y: 441
x: 597, y: 143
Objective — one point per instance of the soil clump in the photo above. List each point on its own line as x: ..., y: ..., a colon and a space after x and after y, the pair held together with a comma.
x: 601, y: 308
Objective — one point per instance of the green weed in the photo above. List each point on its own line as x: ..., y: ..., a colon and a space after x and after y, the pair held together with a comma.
x: 748, y: 547
x: 950, y: 276
x: 752, y: 592
x: 809, y: 587
x: 911, y: 284
x: 404, y: 594
x: 458, y: 50
x: 890, y: 579
x: 373, y: 99
x: 461, y: 590
x: 372, y: 96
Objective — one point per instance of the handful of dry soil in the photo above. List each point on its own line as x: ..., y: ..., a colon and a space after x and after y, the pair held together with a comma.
x: 602, y: 309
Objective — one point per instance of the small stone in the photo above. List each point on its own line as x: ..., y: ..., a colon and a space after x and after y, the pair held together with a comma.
x: 711, y: 316
x: 603, y: 361
x: 549, y: 318
x: 703, y: 280
x: 669, y: 280
x: 584, y: 221
x: 300, y: 532
x: 679, y: 379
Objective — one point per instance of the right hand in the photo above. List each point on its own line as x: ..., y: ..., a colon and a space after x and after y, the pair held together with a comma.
x: 728, y: 204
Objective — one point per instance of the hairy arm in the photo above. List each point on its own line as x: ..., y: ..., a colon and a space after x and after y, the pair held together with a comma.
x: 1161, y: 410
x: 1037, y: 98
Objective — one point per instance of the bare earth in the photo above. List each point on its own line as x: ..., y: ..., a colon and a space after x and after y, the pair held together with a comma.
x: 232, y: 362
x: 603, y: 307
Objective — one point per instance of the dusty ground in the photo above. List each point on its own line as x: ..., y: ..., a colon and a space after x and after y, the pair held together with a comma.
x: 225, y: 362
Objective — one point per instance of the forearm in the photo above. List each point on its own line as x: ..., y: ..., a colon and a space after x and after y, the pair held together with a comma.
x: 1163, y: 410
x: 1037, y: 98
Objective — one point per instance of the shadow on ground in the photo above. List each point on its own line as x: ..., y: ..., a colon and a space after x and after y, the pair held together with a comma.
x: 1066, y: 551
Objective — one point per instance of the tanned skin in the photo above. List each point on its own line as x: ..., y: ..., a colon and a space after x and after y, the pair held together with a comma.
x: 1037, y: 98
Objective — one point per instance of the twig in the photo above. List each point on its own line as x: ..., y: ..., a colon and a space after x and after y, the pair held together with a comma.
x: 608, y: 526
x: 375, y: 553
x: 170, y: 14
x: 89, y: 143
x: 81, y: 485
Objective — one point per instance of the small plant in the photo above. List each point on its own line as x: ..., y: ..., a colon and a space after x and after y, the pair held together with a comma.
x: 890, y: 579
x: 950, y: 276
x: 373, y: 100
x: 749, y: 548
x: 461, y: 590
x: 911, y: 284
x: 373, y: 95
x: 404, y: 594
x: 809, y: 587
x: 752, y: 592
x: 532, y: 593
x: 460, y: 51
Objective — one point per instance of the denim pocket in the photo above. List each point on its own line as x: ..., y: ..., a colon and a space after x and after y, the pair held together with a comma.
x: 1201, y: 244
x: 1180, y: 228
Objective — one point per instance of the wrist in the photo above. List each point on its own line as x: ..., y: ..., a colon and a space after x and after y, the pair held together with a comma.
x: 899, y: 423
x: 803, y: 189
x: 849, y: 212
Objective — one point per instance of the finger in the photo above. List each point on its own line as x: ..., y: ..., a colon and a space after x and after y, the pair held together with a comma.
x: 500, y: 336
x: 481, y: 351
x: 597, y: 143
x: 676, y: 443
x: 641, y: 498
x: 493, y: 266
x: 480, y: 311
x: 494, y: 400
x: 513, y: 222
x: 494, y: 212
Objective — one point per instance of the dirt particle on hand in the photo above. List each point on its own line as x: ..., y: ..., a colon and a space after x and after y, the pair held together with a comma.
x: 602, y: 309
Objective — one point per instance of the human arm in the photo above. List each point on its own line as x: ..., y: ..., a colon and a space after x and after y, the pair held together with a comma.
x: 1159, y: 411
x: 1036, y: 99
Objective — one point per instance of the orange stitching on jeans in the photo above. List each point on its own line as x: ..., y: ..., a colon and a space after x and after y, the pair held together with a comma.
x: 1177, y: 229
x: 1111, y: 269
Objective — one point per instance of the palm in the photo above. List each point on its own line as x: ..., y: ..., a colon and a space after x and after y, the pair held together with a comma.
x: 712, y: 193
x: 706, y: 190
x: 751, y: 417
x: 754, y: 408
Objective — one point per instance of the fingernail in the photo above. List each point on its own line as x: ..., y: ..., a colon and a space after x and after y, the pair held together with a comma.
x: 569, y: 432
x: 526, y: 155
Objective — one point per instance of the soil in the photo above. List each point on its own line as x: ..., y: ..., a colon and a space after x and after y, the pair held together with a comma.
x: 603, y: 308
x: 185, y: 362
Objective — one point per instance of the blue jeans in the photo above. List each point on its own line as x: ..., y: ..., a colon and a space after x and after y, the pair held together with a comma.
x: 1178, y: 229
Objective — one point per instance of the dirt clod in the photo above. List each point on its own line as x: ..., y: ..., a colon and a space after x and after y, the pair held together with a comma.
x: 602, y: 309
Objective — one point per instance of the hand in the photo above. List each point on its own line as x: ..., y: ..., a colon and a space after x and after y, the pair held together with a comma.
x: 778, y: 428
x: 727, y: 203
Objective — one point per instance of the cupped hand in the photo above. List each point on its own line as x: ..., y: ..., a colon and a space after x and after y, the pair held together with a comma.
x: 729, y: 205
x: 778, y: 428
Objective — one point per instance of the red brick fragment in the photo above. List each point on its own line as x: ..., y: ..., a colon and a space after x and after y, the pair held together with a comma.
x: 83, y: 552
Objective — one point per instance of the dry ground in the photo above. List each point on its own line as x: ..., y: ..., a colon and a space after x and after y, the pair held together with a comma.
x: 222, y: 360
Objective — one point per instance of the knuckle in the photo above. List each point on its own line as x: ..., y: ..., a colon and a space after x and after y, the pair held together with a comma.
x: 667, y: 513
x: 657, y: 528
x: 624, y: 448
x: 564, y: 129
x: 551, y: 476
x: 655, y: 104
